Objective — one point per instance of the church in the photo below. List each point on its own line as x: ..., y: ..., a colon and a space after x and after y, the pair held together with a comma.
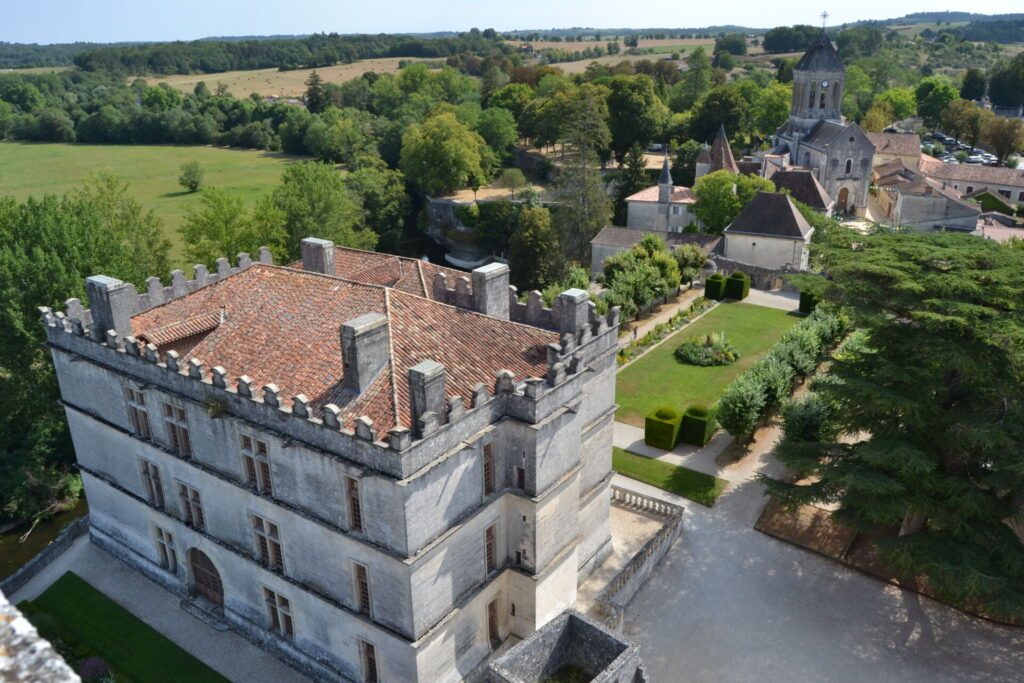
x: 818, y: 138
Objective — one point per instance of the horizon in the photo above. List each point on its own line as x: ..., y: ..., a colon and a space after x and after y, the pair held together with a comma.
x: 112, y: 21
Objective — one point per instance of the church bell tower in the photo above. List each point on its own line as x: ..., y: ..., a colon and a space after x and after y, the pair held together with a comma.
x: 818, y: 83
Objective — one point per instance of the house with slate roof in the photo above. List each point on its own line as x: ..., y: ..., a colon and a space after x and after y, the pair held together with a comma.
x: 375, y: 468
x: 770, y: 234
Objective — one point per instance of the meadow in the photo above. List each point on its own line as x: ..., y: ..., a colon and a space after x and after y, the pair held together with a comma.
x: 151, y: 171
x: 267, y: 82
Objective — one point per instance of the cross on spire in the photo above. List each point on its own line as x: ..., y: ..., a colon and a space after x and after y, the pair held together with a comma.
x: 824, y: 19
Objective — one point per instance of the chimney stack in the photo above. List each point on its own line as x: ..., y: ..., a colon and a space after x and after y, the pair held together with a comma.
x: 426, y: 392
x: 318, y: 255
x: 112, y: 303
x: 365, y: 349
x: 573, y: 313
x: 490, y: 290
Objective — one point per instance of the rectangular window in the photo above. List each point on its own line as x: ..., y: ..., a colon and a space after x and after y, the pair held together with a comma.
x: 1020, y: 197
x: 520, y: 478
x: 176, y: 426
x: 355, y: 509
x: 138, y: 413
x: 191, y: 507
x: 368, y: 653
x: 151, y: 481
x: 488, y: 469
x: 268, y: 543
x: 256, y: 459
x: 165, y: 550
x: 970, y: 189
x: 1005, y: 193
x: 490, y: 549
x: 280, y: 612
x: 362, y: 579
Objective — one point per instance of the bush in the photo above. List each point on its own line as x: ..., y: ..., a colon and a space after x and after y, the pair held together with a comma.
x: 808, y: 302
x: 714, y: 287
x: 698, y: 425
x: 741, y: 405
x: 799, y: 348
x: 737, y: 286
x: 706, y: 350
x: 775, y: 377
x: 804, y: 419
x: 661, y: 428
x: 191, y: 177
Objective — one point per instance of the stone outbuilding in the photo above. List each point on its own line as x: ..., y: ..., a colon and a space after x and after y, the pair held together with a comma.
x: 665, y: 207
x: 770, y: 234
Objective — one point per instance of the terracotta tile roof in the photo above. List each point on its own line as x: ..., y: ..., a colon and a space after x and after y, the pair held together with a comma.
x: 176, y: 331
x: 721, y: 154
x: 407, y: 274
x: 900, y: 144
x: 975, y: 173
x: 281, y: 325
x: 680, y: 195
x: 611, y: 236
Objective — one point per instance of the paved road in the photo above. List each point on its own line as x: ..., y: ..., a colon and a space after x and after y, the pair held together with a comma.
x: 729, y: 604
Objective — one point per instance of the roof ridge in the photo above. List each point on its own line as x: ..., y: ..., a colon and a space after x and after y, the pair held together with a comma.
x: 423, y: 279
x: 391, y: 356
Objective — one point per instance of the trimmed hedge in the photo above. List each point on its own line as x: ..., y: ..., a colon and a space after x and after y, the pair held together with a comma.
x: 808, y: 302
x: 698, y: 425
x: 714, y: 287
x: 661, y: 428
x: 737, y: 286
x: 768, y: 381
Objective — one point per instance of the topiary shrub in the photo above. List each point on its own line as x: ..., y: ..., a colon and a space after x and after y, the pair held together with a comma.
x: 737, y: 286
x: 741, y: 405
x: 714, y: 287
x: 93, y: 669
x: 706, y: 350
x: 808, y: 302
x: 661, y: 428
x: 698, y: 425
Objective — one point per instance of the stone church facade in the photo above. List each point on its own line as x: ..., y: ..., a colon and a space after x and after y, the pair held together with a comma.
x: 375, y: 469
x: 817, y: 137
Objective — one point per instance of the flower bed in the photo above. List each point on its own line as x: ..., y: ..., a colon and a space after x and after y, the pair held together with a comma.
x: 707, y: 350
x: 662, y: 330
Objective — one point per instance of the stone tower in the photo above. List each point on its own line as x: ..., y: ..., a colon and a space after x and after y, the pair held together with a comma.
x: 818, y: 84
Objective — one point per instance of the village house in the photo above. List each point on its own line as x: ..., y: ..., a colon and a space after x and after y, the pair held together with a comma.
x: 911, y: 200
x: 768, y: 239
x: 965, y: 179
x: 664, y: 207
x: 890, y: 146
x: 376, y: 468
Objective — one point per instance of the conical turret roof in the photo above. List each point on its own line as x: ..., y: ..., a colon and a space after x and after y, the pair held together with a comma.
x: 721, y: 154
x: 666, y: 173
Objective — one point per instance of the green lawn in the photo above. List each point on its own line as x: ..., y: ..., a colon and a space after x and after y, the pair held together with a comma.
x: 93, y: 625
x: 697, y: 486
x: 34, y: 169
x: 658, y: 379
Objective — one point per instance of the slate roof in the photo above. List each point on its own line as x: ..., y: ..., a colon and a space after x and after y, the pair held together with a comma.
x: 826, y: 132
x: 281, y: 325
x: 821, y: 57
x: 974, y: 173
x: 666, y: 173
x: 804, y: 187
x: 773, y: 215
x: 679, y: 195
x: 612, y: 236
x: 900, y: 144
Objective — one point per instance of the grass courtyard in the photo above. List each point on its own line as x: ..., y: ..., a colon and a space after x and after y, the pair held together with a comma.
x: 657, y: 379
x: 151, y: 171
x: 697, y: 486
x: 92, y: 625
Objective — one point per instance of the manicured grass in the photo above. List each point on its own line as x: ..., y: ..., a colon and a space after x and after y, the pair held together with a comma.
x: 697, y: 486
x: 95, y: 626
x: 151, y: 171
x: 659, y: 379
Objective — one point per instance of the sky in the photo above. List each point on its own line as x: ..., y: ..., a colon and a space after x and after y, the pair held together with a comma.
x: 65, y: 21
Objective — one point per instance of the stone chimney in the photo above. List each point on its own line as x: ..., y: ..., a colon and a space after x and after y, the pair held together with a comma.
x: 318, y: 255
x: 426, y: 394
x: 365, y: 349
x: 112, y: 303
x: 574, y: 313
x: 490, y: 290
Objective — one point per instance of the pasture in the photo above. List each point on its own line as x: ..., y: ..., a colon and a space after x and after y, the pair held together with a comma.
x: 280, y: 83
x: 151, y: 171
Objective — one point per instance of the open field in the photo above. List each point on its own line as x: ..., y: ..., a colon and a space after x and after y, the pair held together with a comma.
x: 93, y: 625
x: 658, y: 45
x: 151, y: 171
x: 281, y: 83
x: 658, y: 379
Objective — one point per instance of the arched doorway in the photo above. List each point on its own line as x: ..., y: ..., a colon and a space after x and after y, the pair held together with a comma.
x: 843, y: 201
x: 206, y: 581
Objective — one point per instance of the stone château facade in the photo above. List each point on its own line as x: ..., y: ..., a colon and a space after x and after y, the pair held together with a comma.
x: 372, y: 467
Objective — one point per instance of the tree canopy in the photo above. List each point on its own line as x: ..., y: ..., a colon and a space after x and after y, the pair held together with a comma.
x: 443, y: 154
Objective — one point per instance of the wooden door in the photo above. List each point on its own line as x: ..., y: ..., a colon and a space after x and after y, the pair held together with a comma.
x: 206, y: 581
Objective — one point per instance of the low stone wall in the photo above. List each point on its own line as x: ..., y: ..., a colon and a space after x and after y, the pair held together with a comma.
x: 761, y: 278
x: 44, y: 557
x: 611, y: 602
x: 534, y: 164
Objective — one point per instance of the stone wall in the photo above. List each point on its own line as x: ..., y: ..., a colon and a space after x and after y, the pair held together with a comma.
x: 44, y: 557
